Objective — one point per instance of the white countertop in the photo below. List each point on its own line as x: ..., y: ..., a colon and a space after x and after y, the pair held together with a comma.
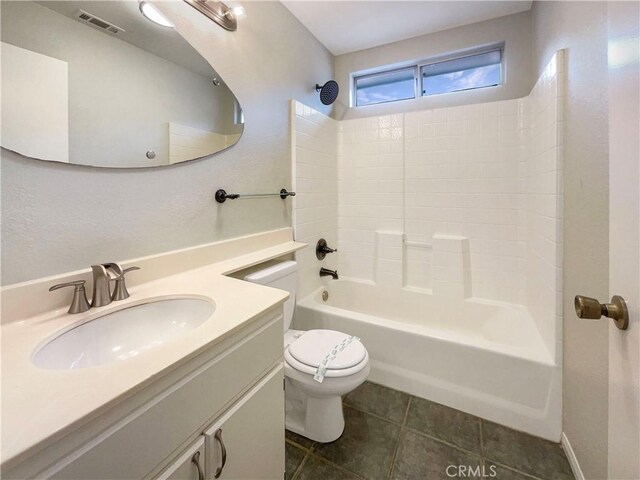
x: 39, y: 404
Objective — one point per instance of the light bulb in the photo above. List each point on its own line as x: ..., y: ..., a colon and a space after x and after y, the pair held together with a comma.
x: 153, y: 14
x: 238, y: 11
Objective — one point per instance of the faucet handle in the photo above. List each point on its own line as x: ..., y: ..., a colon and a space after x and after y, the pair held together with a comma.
x: 322, y: 249
x: 120, y: 291
x: 79, y: 303
x: 113, y: 270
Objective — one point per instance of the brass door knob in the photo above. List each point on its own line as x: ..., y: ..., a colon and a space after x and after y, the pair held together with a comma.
x: 587, y: 307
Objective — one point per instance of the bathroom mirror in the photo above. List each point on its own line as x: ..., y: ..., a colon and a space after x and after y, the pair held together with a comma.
x: 98, y: 83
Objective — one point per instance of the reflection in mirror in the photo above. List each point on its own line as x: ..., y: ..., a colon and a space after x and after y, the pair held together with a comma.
x: 97, y: 83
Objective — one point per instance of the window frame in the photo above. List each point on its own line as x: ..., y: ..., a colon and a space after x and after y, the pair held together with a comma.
x: 469, y: 53
x: 418, y: 88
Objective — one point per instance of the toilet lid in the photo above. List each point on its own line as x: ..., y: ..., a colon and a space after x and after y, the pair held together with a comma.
x: 314, y: 346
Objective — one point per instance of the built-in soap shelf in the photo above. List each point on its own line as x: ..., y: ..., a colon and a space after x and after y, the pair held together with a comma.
x: 450, y: 261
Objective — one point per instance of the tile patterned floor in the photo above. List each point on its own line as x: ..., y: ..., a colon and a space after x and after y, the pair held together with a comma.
x: 393, y: 435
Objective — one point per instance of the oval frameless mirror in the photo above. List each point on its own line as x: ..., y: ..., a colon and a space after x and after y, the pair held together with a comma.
x: 98, y: 83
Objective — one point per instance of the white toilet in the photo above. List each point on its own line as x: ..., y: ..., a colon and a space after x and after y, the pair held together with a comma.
x: 314, y: 407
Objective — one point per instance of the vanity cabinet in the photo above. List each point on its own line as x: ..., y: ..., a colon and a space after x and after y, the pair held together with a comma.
x: 248, y: 440
x: 235, y: 386
x: 245, y: 442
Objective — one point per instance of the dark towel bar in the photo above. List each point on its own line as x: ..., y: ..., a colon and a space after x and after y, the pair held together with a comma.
x: 222, y: 196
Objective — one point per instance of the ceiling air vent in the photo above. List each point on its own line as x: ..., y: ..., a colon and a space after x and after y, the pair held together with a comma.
x: 98, y: 22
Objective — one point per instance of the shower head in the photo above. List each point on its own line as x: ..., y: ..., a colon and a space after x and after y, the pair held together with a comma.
x: 328, y: 92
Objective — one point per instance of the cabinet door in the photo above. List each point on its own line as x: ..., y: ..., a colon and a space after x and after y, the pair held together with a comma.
x: 247, y: 442
x: 189, y: 465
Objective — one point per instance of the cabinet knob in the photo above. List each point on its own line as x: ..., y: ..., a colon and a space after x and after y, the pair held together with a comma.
x: 223, y: 449
x: 587, y: 307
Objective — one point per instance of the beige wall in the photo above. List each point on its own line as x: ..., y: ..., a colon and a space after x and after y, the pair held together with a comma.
x: 581, y: 28
x: 514, y: 30
x: 57, y: 218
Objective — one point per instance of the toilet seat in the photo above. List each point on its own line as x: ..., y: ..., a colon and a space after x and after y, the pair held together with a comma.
x: 307, y: 349
x: 314, y: 346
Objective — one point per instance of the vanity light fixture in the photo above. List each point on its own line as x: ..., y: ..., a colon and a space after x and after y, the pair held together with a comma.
x: 152, y: 13
x: 219, y: 12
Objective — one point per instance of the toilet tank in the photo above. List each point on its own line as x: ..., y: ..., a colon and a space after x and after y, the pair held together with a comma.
x: 282, y: 275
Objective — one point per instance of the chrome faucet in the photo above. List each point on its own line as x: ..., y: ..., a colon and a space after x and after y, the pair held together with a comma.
x: 325, y: 272
x: 101, y: 278
x: 103, y: 275
x: 102, y: 294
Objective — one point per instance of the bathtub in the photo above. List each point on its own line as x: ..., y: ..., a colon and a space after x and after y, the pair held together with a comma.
x: 485, y: 358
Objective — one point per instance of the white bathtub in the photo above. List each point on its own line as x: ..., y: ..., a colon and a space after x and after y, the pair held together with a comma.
x: 485, y: 358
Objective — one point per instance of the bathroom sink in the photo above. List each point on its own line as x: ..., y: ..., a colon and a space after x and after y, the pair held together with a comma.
x: 123, y: 334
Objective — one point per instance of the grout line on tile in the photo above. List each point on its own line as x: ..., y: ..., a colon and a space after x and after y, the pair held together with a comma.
x: 336, y: 466
x: 395, y: 452
x: 527, y: 475
x: 484, y: 420
x: 302, y: 447
x: 372, y: 414
x: 439, y: 440
x: 406, y: 412
x: 481, y: 426
x: 296, y: 472
x: 400, y: 435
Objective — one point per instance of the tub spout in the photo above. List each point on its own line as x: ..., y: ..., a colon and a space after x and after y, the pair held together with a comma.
x: 325, y: 272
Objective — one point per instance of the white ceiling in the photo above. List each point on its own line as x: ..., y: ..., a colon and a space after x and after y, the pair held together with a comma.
x: 348, y: 26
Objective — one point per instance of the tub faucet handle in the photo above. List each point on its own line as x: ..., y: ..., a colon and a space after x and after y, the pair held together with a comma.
x: 322, y: 249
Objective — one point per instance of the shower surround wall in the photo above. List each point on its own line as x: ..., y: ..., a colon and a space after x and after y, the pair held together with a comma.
x: 314, y: 170
x: 460, y: 202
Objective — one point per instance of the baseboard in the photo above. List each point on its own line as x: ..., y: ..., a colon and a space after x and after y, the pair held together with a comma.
x: 571, y: 456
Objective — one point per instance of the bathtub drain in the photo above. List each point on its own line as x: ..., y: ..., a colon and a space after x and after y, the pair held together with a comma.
x: 325, y: 295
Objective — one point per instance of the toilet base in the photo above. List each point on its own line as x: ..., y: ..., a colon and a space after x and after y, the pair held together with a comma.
x: 317, y: 418
x: 314, y: 410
